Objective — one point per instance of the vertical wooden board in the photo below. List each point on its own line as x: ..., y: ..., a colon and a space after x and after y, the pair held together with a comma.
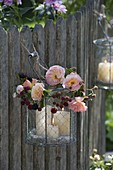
x: 60, y: 52
x: 95, y: 112
x: 50, y: 43
x: 102, y: 138
x: 91, y: 70
x: 38, y: 158
x: 71, y: 61
x: 71, y: 156
x: 85, y: 146
x: 38, y: 41
x: 50, y: 36
x: 55, y: 157
x: 78, y: 143
x: 71, y: 40
x: 14, y: 103
x: 100, y: 119
x: 4, y: 114
x: 80, y: 68
x: 26, y: 47
x: 80, y: 59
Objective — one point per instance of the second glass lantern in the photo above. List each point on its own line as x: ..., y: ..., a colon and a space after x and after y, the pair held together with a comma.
x: 104, y: 63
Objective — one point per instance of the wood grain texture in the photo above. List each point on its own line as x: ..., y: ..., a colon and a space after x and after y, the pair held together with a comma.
x: 60, y: 52
x: 38, y: 40
x: 71, y: 42
x: 4, y: 112
x: 14, y: 103
x: 50, y: 43
x: 26, y: 42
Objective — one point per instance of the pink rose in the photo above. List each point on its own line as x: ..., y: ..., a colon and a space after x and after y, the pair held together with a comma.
x: 19, y: 89
x: 55, y: 75
x: 72, y: 81
x: 77, y: 105
x: 27, y: 83
x: 34, y: 81
x: 37, y: 91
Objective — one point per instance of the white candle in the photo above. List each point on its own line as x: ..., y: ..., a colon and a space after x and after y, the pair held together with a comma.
x: 62, y: 119
x: 52, y: 131
x: 40, y: 122
x: 105, y: 72
x: 61, y: 123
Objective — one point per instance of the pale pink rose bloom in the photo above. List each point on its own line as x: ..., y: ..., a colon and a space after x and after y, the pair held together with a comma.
x: 19, y: 89
x: 55, y: 75
x: 34, y: 81
x: 72, y: 81
x: 37, y: 91
x: 77, y: 105
x: 27, y: 83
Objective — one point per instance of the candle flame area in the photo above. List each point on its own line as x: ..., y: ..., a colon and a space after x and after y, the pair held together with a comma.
x: 105, y: 61
x: 52, y: 121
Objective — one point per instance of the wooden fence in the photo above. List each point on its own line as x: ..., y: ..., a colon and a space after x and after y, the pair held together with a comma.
x: 68, y: 43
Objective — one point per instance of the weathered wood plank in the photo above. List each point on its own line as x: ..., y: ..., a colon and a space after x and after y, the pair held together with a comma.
x: 26, y: 47
x: 71, y: 61
x: 39, y: 43
x: 71, y: 45
x: 50, y: 43
x: 60, y: 52
x: 14, y: 104
x: 85, y: 148
x: 80, y: 66
x: 4, y: 114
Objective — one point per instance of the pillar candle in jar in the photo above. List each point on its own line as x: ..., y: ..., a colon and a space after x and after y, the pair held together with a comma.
x: 62, y: 119
x: 52, y: 131
x: 40, y: 122
x: 105, y: 71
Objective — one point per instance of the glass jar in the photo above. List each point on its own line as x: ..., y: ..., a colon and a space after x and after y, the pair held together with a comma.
x: 104, y: 63
x: 54, y: 125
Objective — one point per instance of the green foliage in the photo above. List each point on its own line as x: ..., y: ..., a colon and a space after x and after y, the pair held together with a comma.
x: 34, y: 11
x: 74, y: 5
x: 27, y: 14
x: 109, y: 120
x: 109, y: 7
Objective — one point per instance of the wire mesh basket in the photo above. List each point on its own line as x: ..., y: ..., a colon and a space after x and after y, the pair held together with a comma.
x: 53, y: 125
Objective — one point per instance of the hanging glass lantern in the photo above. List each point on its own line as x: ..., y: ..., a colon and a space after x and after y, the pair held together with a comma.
x: 104, y: 63
x: 52, y: 125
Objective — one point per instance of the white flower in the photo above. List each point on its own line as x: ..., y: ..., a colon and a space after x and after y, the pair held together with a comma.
x: 19, y: 89
x: 97, y: 157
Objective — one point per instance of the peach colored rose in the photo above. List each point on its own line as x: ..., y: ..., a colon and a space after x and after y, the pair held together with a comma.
x: 37, y: 91
x: 72, y: 81
x: 55, y: 75
x: 77, y: 105
x: 19, y: 89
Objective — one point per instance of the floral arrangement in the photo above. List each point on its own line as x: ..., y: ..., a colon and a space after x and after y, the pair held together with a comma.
x: 101, y: 162
x: 64, y: 86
